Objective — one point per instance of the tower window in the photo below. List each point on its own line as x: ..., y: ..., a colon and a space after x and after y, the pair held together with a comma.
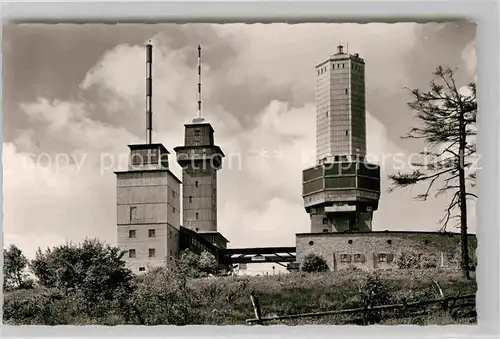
x: 152, y: 233
x: 325, y: 230
x: 173, y: 193
x: 131, y: 253
x: 346, y: 132
x: 131, y: 233
x: 196, y: 184
x: 325, y: 221
x: 197, y: 215
x: 190, y: 199
x: 152, y: 252
x: 346, y: 91
x: 133, y: 214
x: 327, y: 114
x: 142, y: 269
x: 197, y: 132
x: 197, y: 142
x: 382, y: 257
x: 343, y: 65
x: 173, y: 209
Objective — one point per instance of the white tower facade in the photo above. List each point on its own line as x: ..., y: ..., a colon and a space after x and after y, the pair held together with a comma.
x: 340, y: 107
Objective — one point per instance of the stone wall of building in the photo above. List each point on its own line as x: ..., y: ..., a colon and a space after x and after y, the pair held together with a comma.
x: 383, y: 250
x: 148, y: 218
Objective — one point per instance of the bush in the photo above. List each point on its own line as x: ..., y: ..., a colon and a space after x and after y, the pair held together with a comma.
x: 410, y: 260
x: 164, y: 297
x: 314, y: 263
x: 375, y: 291
x: 193, y: 265
x: 472, y: 259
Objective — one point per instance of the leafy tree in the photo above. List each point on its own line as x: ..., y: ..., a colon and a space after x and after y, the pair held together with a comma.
x: 14, y: 269
x: 92, y: 269
x: 447, y: 118
x: 193, y: 265
x: 314, y: 263
x: 208, y: 263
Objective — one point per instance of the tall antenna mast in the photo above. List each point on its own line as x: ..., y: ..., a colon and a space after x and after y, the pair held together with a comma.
x: 199, y: 81
x: 347, y: 47
x: 149, y: 91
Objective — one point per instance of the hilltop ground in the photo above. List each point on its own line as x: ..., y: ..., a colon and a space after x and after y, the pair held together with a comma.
x: 161, y: 298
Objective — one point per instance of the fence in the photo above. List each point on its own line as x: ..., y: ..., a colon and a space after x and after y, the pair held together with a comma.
x: 448, y: 304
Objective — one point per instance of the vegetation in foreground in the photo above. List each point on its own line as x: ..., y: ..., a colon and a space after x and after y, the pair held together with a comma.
x: 89, y: 284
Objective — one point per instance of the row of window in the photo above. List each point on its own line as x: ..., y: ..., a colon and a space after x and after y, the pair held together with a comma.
x: 151, y: 253
x: 151, y: 233
x: 339, y: 65
x: 359, y: 257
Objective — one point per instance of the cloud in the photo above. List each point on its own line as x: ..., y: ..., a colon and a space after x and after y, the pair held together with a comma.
x: 46, y: 203
x: 470, y: 58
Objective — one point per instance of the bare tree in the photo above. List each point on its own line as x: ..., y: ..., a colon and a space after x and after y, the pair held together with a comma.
x: 447, y: 124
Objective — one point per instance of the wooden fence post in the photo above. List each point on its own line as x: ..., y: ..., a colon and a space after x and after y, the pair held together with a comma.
x: 256, y: 307
x: 451, y: 307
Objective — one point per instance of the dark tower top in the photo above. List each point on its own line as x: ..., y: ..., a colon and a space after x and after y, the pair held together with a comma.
x: 199, y: 144
x: 199, y: 134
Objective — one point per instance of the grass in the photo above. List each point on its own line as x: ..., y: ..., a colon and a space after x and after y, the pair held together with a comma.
x: 162, y: 299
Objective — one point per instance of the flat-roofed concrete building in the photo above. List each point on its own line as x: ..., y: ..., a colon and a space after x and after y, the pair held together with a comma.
x: 148, y: 209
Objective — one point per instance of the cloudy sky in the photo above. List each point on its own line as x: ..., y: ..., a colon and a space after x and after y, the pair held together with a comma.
x: 76, y: 92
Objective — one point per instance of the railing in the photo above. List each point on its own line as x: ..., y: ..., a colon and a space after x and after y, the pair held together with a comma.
x: 448, y: 304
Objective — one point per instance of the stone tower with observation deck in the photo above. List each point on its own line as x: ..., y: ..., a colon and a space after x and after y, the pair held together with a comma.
x: 342, y: 190
x: 200, y: 159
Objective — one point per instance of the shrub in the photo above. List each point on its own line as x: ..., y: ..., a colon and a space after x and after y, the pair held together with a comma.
x: 472, y: 259
x: 193, y: 265
x: 410, y: 260
x: 165, y: 297
x: 314, y: 263
x: 92, y: 267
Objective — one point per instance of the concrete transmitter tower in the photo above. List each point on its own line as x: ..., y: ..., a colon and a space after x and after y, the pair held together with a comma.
x: 148, y: 199
x: 342, y: 191
x: 200, y: 159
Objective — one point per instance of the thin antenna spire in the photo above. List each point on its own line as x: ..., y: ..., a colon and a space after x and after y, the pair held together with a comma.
x: 149, y: 92
x: 199, y: 81
x: 347, y: 47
